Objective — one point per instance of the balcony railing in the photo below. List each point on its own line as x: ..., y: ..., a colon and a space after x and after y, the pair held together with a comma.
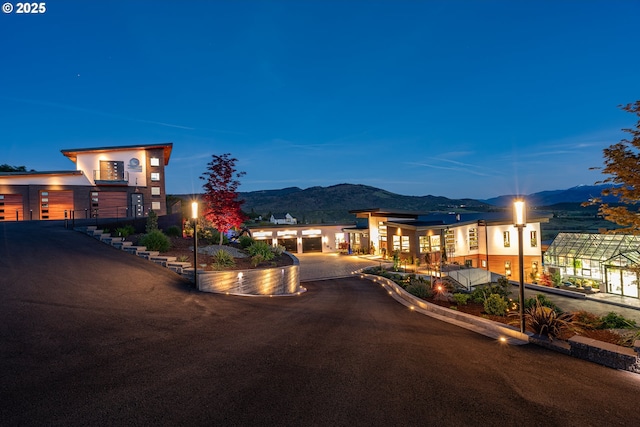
x: 111, y: 177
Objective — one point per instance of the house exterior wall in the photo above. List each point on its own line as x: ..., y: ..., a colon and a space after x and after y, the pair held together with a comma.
x: 142, y: 178
x: 135, y: 163
x: 330, y: 235
x: 490, y: 254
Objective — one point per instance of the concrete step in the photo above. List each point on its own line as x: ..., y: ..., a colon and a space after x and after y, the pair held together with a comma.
x: 162, y: 260
x: 134, y: 249
x: 147, y: 254
x: 121, y: 244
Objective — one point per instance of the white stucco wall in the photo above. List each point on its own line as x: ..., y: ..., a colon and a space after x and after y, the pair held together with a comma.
x: 45, y: 179
x: 496, y: 240
x: 88, y: 162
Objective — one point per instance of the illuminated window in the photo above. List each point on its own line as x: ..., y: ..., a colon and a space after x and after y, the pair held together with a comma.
x: 155, y: 191
x: 405, y: 243
x: 435, y: 243
x: 424, y: 243
x: 507, y: 267
x: 473, y: 238
x: 396, y: 243
x: 507, y: 240
x: 154, y: 161
x: 155, y: 206
x: 155, y: 176
x: 534, y: 239
x: 450, y: 240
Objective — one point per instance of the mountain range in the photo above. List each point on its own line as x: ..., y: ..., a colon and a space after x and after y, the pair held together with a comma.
x: 579, y: 194
x: 333, y: 203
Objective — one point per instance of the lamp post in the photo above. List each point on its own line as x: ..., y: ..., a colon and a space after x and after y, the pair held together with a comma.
x: 520, y: 221
x: 194, y: 216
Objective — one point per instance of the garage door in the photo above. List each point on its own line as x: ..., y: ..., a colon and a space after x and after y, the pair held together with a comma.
x: 110, y: 204
x: 311, y: 244
x: 290, y: 244
x: 11, y: 207
x: 53, y: 204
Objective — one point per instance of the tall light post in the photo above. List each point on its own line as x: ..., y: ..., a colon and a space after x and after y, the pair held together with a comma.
x: 194, y: 216
x: 520, y: 221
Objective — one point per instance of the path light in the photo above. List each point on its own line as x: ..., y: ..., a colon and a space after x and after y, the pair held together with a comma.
x: 194, y: 216
x: 520, y: 221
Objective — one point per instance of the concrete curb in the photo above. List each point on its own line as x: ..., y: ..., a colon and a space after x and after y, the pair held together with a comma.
x: 477, y: 324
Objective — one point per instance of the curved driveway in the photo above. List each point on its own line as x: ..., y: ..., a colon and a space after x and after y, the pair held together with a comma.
x: 93, y: 336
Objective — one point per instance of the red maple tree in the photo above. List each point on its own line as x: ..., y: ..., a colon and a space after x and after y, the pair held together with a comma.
x: 222, y: 206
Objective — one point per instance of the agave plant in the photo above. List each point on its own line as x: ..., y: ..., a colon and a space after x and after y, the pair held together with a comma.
x: 546, y: 321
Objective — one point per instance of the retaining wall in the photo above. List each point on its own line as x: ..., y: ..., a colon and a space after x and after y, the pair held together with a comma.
x: 260, y: 281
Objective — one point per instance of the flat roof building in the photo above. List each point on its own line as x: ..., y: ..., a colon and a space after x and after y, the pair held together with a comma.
x: 109, y: 182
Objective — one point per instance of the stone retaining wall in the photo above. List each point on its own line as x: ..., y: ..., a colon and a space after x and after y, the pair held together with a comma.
x: 611, y: 355
x: 260, y: 281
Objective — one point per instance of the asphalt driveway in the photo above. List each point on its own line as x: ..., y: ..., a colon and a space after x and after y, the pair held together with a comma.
x: 90, y: 335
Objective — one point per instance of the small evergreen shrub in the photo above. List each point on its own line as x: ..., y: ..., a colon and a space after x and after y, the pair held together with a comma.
x: 278, y: 250
x: 261, y: 248
x: 542, y: 299
x: 152, y: 222
x: 461, y: 299
x: 156, y: 240
x: 173, y: 231
x: 615, y: 321
x: 420, y: 290
x: 496, y: 305
x: 125, y: 231
x: 223, y: 259
x: 256, y: 260
x: 245, y: 241
x: 481, y: 293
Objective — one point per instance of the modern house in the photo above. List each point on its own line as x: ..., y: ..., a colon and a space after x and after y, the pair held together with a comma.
x: 481, y: 240
x: 109, y: 182
x: 608, y: 261
x: 282, y: 218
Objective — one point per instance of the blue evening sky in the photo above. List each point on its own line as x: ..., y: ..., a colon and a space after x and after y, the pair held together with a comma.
x: 451, y: 98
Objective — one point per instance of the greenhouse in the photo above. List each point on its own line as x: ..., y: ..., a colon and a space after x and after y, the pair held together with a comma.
x: 609, y: 262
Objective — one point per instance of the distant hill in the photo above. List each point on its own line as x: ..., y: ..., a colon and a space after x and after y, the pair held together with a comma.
x: 332, y: 204
x: 579, y: 194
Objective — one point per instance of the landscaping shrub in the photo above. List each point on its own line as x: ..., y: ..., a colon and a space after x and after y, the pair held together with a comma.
x: 278, y: 250
x: 587, y: 320
x: 496, y: 305
x: 256, y: 260
x: 615, y: 321
x: 125, y: 231
x: 222, y: 259
x: 212, y: 236
x: 396, y: 260
x: 261, y: 248
x: 420, y: 290
x: 461, y: 299
x: 245, y: 241
x: 152, y: 222
x: 481, y: 293
x: 173, y: 231
x: 156, y: 240
x: 546, y: 321
x: 542, y: 299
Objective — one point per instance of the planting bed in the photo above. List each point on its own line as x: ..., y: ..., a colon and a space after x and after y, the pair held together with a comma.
x: 182, y: 249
